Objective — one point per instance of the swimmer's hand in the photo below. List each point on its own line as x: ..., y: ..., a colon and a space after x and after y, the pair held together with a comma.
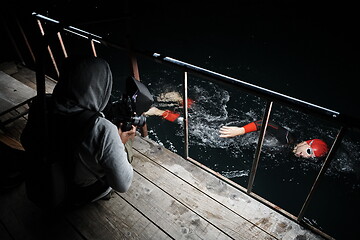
x: 229, y: 131
x: 170, y: 97
x: 154, y: 112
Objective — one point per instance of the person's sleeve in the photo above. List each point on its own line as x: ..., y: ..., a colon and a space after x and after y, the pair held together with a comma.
x: 251, y: 127
x: 256, y: 126
x: 170, y: 115
x: 118, y: 170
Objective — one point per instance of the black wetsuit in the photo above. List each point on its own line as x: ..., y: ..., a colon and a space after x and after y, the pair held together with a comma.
x: 280, y: 133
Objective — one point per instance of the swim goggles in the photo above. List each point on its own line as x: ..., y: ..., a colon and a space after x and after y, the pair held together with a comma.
x: 309, y: 151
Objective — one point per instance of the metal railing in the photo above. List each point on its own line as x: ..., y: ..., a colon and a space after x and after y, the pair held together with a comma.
x: 270, y: 96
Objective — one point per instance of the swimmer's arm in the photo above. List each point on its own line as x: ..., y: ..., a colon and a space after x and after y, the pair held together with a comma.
x: 154, y: 112
x: 165, y: 114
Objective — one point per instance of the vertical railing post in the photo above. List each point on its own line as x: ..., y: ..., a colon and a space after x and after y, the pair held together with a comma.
x: 135, y: 72
x: 134, y: 66
x: 186, y: 122
x: 41, y: 92
x: 259, y: 145
x: 25, y: 39
x: 48, y: 48
x: 62, y: 44
x: 94, y: 50
x: 323, y: 169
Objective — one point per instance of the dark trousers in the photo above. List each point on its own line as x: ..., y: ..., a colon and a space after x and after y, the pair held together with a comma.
x: 83, y: 195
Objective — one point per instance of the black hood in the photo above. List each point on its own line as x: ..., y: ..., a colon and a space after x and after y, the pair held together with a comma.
x: 85, y: 83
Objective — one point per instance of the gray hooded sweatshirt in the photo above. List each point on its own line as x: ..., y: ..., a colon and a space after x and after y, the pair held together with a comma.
x: 87, y: 84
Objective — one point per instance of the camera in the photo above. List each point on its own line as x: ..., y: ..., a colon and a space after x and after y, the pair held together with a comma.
x: 127, y: 111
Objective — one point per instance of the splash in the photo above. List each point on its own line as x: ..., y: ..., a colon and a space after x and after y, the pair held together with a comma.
x: 235, y: 173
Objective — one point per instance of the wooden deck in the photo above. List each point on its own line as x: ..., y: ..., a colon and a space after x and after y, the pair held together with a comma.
x: 170, y: 198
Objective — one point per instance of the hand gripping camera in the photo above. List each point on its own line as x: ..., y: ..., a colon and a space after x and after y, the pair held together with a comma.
x: 127, y: 111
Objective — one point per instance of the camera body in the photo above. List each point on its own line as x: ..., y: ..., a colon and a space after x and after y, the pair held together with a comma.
x: 123, y: 115
x: 128, y: 109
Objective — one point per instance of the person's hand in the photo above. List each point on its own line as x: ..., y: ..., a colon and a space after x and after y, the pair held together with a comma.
x: 154, y: 112
x: 170, y: 97
x: 228, y: 131
x: 125, y: 136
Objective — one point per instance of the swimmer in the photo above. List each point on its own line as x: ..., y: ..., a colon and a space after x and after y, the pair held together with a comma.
x: 313, y: 148
x: 169, y: 100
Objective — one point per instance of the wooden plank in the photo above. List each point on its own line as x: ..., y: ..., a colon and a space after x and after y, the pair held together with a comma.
x: 11, y: 142
x: 8, y: 67
x: 28, y: 82
x: 23, y: 220
x: 113, y: 219
x: 173, y: 217
x: 28, y: 77
x: 50, y: 84
x: 15, y: 112
x: 253, y: 211
x: 223, y: 218
x: 13, y: 92
x: 5, y: 104
x: 14, y: 128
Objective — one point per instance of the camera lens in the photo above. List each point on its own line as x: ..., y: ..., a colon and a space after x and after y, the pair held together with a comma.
x: 138, y: 121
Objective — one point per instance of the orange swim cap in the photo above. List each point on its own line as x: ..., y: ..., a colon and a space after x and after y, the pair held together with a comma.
x: 319, y: 147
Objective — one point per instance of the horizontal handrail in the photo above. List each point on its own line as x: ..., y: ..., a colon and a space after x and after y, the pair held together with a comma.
x: 257, y: 90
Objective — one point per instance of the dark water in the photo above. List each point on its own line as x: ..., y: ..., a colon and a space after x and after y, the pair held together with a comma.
x: 302, y: 50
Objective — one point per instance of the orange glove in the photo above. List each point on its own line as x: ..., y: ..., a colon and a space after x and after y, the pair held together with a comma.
x: 170, y: 116
x: 251, y: 127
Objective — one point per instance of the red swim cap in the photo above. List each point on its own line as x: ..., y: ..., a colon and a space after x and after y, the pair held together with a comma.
x: 319, y: 147
x: 190, y: 102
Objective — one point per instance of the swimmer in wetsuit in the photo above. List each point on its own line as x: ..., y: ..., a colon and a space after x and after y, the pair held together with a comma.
x: 307, y: 149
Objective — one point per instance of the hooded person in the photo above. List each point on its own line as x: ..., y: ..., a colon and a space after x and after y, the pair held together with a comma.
x: 100, y: 163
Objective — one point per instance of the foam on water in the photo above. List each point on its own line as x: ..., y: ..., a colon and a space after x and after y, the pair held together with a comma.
x: 235, y: 173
